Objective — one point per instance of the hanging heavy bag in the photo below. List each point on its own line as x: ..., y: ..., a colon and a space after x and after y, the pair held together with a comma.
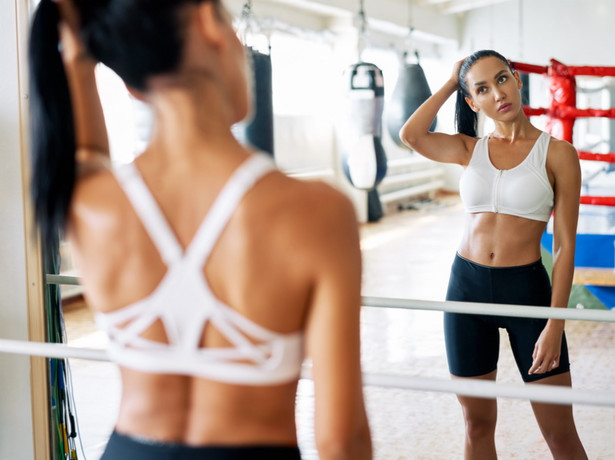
x: 363, y: 158
x: 410, y: 91
x: 257, y: 131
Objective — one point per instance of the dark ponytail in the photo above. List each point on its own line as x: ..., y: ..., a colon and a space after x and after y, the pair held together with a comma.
x: 135, y: 38
x: 465, y: 118
x: 52, y: 131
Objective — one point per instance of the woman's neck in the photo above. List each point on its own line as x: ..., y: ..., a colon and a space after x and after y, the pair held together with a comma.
x: 189, y: 114
x: 512, y: 131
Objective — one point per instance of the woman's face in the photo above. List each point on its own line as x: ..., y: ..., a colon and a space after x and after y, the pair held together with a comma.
x: 494, y: 89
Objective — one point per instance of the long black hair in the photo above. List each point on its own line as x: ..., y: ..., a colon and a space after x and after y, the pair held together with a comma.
x: 465, y: 118
x: 135, y: 38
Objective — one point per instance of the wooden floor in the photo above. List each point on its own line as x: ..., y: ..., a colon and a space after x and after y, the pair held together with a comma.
x: 407, y: 254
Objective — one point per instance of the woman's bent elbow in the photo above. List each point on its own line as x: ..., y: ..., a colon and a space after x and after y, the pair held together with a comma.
x: 407, y: 138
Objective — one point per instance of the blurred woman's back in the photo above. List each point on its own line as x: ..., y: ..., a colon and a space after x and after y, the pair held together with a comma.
x: 213, y: 273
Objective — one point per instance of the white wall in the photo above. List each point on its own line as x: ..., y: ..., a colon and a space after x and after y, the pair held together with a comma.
x: 15, y: 399
x: 575, y: 32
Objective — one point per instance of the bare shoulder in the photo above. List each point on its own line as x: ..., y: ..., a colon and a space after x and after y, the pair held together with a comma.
x: 310, y: 201
x: 562, y: 150
x: 92, y: 188
x: 94, y: 184
x: 305, y: 214
x: 96, y: 206
x: 562, y: 157
x: 563, y: 162
x: 562, y: 153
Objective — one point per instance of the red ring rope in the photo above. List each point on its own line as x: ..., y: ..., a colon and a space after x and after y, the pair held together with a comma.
x: 563, y: 112
x: 598, y: 200
x: 557, y: 68
x: 590, y: 156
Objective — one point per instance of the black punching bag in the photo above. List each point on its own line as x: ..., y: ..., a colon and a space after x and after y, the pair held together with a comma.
x: 411, y: 90
x: 363, y: 158
x: 525, y: 91
x: 257, y: 131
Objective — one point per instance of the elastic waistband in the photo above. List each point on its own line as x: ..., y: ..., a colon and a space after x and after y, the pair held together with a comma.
x: 537, y: 263
x: 154, y: 443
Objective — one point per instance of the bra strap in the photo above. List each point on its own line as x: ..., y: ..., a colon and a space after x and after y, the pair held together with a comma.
x: 149, y: 212
x: 240, y: 182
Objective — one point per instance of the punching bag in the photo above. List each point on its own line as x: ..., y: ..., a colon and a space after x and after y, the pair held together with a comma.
x: 525, y: 91
x: 363, y: 158
x: 411, y: 90
x: 257, y: 130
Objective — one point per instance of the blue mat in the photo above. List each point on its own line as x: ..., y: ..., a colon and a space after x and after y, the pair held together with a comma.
x: 592, y: 250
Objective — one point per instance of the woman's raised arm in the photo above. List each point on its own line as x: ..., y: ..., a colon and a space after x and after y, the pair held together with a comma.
x: 90, y: 129
x: 445, y: 148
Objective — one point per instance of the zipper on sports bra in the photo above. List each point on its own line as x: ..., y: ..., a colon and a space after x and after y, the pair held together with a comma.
x: 496, y: 191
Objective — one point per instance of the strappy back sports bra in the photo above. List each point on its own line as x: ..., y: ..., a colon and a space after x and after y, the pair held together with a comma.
x: 523, y: 191
x: 184, y: 303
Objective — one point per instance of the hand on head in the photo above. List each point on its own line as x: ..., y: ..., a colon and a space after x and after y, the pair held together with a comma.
x: 456, y: 69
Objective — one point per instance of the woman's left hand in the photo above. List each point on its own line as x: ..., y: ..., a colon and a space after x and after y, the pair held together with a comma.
x: 547, y: 350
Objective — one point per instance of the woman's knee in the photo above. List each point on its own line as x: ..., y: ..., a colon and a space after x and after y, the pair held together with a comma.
x: 480, y: 427
x: 480, y: 416
x: 561, y: 437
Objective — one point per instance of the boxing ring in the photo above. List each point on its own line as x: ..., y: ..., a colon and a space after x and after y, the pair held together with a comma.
x: 563, y: 112
x: 595, y: 252
x: 542, y: 393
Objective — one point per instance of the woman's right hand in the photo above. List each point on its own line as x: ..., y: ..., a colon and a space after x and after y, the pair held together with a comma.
x: 455, y: 75
x: 441, y: 147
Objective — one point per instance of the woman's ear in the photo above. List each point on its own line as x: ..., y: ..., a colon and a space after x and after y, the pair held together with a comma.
x: 470, y: 102
x: 209, y: 23
x: 519, y: 81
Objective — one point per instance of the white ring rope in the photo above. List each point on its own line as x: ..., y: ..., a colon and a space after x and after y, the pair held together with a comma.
x: 51, y: 350
x: 522, y: 311
x: 485, y: 388
x: 63, y: 279
x: 468, y: 387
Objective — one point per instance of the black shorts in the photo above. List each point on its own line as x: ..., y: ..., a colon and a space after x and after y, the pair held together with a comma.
x: 473, y: 341
x: 123, y: 447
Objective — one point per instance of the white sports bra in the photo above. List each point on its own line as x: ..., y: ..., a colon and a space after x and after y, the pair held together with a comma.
x: 523, y: 191
x: 184, y: 303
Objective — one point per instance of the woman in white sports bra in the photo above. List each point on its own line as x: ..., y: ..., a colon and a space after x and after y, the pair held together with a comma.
x: 513, y: 180
x: 213, y: 273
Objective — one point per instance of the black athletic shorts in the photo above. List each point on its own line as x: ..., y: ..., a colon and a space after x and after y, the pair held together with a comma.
x: 473, y: 341
x: 123, y: 447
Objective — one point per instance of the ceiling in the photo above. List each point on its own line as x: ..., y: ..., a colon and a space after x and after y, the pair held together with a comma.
x: 432, y: 21
x: 455, y: 6
x: 441, y: 6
